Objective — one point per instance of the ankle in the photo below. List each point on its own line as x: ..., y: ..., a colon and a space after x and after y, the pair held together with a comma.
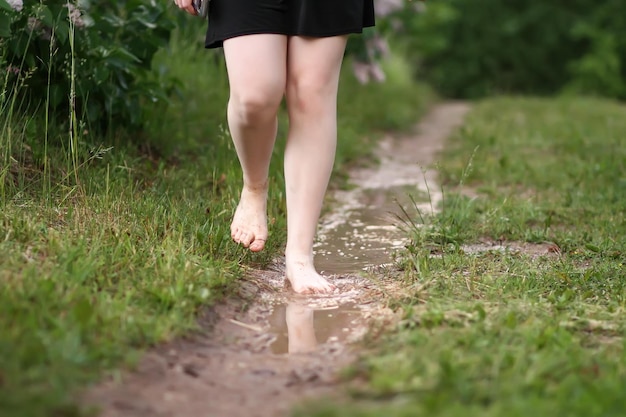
x: 256, y: 188
x: 298, y: 257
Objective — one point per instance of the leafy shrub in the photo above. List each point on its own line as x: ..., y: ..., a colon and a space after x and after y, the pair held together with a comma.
x: 472, y: 48
x: 93, y: 58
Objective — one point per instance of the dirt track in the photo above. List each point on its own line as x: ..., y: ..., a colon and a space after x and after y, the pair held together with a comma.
x: 239, y: 365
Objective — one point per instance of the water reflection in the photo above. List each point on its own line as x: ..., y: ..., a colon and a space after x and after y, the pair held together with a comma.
x: 300, y: 328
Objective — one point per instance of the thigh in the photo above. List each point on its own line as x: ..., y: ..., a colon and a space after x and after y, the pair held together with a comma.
x: 257, y: 65
x: 315, y: 62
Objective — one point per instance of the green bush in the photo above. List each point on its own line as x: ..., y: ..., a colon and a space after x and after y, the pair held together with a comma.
x: 471, y: 48
x: 92, y: 58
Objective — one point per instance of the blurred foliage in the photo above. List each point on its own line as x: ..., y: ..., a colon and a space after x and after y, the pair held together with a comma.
x: 96, y: 58
x: 91, y: 58
x: 470, y: 48
x: 371, y: 47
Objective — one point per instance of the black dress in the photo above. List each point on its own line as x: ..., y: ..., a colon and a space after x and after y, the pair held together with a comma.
x: 315, y: 18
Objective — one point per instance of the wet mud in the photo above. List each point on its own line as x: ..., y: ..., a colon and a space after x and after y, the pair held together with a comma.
x: 268, y: 349
x: 534, y: 250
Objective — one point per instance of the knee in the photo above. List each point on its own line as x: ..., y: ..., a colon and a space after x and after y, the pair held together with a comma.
x: 252, y: 107
x: 311, y: 95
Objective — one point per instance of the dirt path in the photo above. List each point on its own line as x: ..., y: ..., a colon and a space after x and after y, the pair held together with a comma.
x: 267, y: 350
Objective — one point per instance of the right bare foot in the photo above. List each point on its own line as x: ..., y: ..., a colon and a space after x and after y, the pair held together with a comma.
x: 249, y: 226
x: 303, y: 277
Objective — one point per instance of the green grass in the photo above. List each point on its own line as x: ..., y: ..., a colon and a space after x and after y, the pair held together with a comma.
x: 502, y: 333
x: 116, y: 246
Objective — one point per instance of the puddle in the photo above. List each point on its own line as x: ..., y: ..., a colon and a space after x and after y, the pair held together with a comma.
x: 301, y: 329
x: 369, y: 228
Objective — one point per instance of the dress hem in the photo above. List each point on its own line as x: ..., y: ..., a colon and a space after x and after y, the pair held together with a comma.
x: 218, y: 42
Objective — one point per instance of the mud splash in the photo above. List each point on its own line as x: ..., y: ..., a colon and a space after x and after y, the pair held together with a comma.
x: 259, y: 354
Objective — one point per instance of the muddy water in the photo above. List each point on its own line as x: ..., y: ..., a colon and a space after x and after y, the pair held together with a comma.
x: 371, y: 219
x: 366, y: 234
x: 301, y: 329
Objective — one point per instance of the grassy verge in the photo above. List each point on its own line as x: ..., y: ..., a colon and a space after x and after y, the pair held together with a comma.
x: 505, y: 332
x: 109, y: 250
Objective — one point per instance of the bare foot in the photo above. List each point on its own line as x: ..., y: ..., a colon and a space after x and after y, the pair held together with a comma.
x: 249, y: 226
x: 304, y: 278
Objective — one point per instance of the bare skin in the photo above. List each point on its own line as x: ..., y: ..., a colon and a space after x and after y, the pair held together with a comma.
x: 186, y: 5
x: 261, y: 70
x: 257, y: 83
x: 313, y: 66
x: 249, y: 225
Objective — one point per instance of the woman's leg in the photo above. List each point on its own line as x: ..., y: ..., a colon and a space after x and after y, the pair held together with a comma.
x: 257, y: 67
x: 313, y: 66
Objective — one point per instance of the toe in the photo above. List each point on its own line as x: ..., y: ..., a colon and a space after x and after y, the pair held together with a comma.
x: 239, y: 235
x: 246, y: 238
x: 326, y: 287
x: 318, y: 288
x: 304, y: 290
x: 257, y: 245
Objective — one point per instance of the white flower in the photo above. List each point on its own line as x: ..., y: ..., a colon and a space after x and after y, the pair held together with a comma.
x: 377, y: 46
x: 75, y: 15
x: 17, y: 5
x: 366, y: 72
x: 361, y: 71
